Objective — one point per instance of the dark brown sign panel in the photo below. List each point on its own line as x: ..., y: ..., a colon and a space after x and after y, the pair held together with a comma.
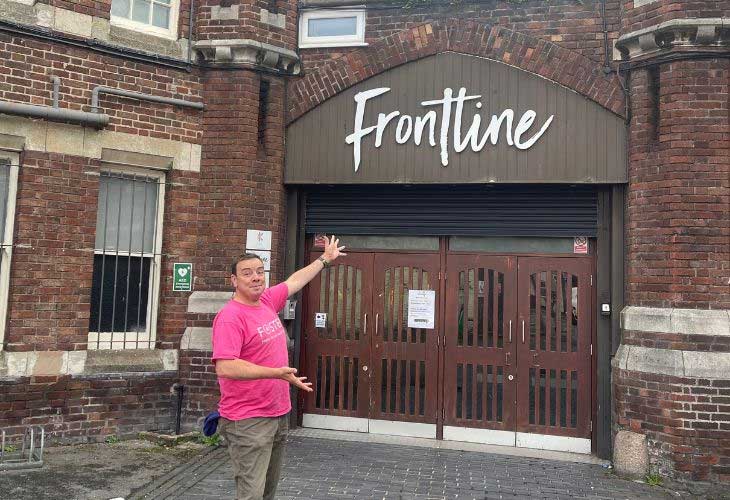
x: 453, y: 118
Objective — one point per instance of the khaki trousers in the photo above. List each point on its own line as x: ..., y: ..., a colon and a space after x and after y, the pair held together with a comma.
x: 256, y: 446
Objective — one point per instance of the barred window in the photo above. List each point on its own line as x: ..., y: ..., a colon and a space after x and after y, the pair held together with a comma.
x: 9, y: 164
x: 125, y: 281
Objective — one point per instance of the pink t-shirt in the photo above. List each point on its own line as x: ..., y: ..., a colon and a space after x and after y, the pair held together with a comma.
x: 254, y: 334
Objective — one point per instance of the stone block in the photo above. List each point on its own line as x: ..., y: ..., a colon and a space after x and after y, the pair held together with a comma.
x: 630, y: 454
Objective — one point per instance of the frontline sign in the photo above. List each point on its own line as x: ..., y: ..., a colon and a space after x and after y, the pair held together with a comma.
x: 409, y: 128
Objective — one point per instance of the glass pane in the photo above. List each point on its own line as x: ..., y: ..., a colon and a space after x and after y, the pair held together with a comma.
x: 4, y: 183
x: 141, y: 11
x: 161, y: 16
x: 119, y: 293
x: 127, y: 211
x: 342, y: 26
x: 120, y: 8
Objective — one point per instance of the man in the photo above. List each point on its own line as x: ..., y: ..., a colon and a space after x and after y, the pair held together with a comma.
x: 251, y: 361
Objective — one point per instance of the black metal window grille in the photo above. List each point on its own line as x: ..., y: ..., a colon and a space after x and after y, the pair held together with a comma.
x: 126, y: 261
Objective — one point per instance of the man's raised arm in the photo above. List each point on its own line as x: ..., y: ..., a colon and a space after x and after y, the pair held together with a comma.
x: 299, y: 279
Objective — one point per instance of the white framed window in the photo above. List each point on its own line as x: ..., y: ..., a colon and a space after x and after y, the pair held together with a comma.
x: 332, y: 28
x: 9, y: 165
x: 155, y: 17
x: 127, y: 259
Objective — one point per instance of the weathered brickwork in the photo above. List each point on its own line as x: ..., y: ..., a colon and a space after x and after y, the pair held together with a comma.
x: 197, y: 374
x: 649, y: 14
x: 241, y: 185
x: 53, y: 257
x: 686, y: 422
x: 679, y: 190
x: 31, y: 63
x: 535, y: 55
x: 87, y: 409
x: 248, y: 24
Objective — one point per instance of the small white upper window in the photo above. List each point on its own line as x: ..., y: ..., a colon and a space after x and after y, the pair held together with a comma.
x: 157, y: 17
x: 332, y: 28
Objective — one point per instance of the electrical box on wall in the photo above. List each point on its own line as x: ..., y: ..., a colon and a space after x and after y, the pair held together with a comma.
x: 290, y: 310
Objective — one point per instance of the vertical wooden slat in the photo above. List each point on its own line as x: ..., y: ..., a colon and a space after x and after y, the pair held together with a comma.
x: 497, y: 325
x: 415, y: 275
x: 568, y: 398
x: 548, y: 310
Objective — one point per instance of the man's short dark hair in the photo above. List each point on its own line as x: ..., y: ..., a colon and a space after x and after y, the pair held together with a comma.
x: 242, y: 257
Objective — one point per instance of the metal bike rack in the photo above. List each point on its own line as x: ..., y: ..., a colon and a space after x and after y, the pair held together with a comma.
x: 30, y: 454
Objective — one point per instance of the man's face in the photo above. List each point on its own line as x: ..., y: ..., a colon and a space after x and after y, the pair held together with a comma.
x: 249, y: 280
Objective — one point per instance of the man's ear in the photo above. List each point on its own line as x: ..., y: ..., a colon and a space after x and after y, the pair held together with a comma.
x: 233, y: 280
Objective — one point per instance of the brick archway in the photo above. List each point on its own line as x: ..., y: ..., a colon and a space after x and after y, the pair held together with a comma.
x: 535, y: 55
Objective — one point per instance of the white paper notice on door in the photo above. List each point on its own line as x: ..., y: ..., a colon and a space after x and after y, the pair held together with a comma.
x: 421, y: 308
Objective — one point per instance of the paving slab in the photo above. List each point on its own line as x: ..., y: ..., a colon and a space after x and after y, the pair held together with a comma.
x: 319, y: 468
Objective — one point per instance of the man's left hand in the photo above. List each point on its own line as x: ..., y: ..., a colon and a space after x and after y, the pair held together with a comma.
x: 332, y: 248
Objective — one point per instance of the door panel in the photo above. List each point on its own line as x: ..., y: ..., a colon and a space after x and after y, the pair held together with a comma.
x: 404, y: 360
x: 337, y: 353
x: 478, y: 346
x: 554, y: 351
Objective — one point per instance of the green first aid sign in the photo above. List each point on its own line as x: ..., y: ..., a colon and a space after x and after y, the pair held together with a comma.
x: 182, y: 280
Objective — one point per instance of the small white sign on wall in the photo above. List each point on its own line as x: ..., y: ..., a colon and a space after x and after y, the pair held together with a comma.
x: 421, y: 308
x: 258, y: 240
x: 320, y: 320
x: 265, y: 257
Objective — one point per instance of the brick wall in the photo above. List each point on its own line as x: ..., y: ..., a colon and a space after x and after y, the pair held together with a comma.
x: 87, y: 409
x: 536, y: 55
x: 570, y: 25
x: 248, y: 25
x: 241, y: 186
x: 197, y: 374
x: 686, y: 422
x: 653, y: 13
x: 52, y: 261
x: 26, y: 67
x: 679, y: 190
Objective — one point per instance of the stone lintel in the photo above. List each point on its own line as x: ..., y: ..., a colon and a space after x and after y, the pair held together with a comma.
x: 675, y: 363
x: 58, y: 363
x: 197, y: 339
x: 208, y: 302
x: 248, y: 52
x: 701, y: 33
x: 714, y: 322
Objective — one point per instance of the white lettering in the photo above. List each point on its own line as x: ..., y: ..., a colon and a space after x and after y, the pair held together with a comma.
x: 524, y: 125
x: 356, y: 137
x: 400, y: 136
x: 413, y: 127
x: 430, y: 118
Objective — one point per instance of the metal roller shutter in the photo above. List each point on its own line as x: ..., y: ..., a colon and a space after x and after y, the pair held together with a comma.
x: 517, y: 210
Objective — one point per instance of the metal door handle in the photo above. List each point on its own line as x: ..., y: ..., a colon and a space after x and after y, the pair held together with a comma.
x: 377, y: 316
x: 510, y: 331
x: 523, y: 331
x: 365, y: 328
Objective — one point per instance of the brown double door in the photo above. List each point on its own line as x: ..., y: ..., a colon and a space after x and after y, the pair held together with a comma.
x: 363, y: 358
x: 511, y: 353
x: 517, y: 351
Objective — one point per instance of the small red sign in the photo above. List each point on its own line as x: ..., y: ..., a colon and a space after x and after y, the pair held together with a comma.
x: 319, y: 241
x: 580, y: 244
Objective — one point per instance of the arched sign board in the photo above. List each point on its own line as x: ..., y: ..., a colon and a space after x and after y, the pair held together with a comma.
x: 454, y: 118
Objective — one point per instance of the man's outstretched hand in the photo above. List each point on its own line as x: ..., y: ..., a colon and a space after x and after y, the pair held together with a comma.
x: 332, y: 248
x: 289, y: 374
